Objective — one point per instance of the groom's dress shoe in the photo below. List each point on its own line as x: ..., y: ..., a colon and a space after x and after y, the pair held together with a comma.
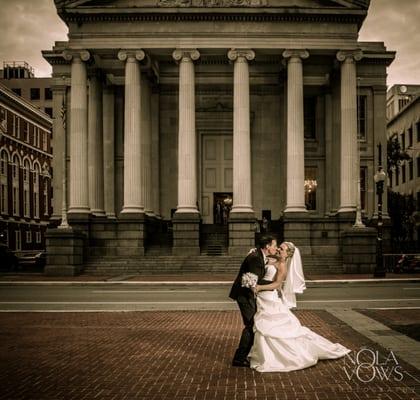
x: 240, y: 363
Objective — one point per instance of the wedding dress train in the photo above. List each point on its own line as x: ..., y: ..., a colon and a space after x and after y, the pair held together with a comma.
x: 281, y: 343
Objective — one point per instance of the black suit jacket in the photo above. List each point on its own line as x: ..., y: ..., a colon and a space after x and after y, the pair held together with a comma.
x: 254, y: 263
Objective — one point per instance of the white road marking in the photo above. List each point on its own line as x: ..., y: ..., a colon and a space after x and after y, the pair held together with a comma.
x: 149, y: 291
x: 116, y: 302
x: 393, y: 308
x: 353, y: 300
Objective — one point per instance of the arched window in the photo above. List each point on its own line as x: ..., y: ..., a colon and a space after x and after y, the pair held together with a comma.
x: 37, y: 171
x: 26, y: 198
x: 15, y: 184
x: 4, y: 160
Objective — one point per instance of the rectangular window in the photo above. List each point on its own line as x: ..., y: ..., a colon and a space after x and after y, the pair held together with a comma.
x: 26, y: 131
x: 363, y: 180
x: 18, y: 240
x: 397, y: 176
x: 418, y: 201
x: 35, y: 94
x: 309, y: 115
x: 410, y: 170
x: 361, y: 116
x: 26, y: 203
x: 418, y: 130
x: 410, y: 137
x: 3, y: 198
x: 44, y: 141
x: 310, y: 187
x: 17, y: 91
x: 390, y: 179
x: 15, y: 201
x: 418, y: 167
x: 49, y: 111
x: 402, y: 141
x: 47, y: 94
x: 3, y: 119
x: 28, y: 237
x: 38, y: 237
x: 403, y: 176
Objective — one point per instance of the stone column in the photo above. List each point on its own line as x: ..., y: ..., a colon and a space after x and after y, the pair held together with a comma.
x: 296, y: 223
x: 241, y: 218
x: 146, y: 147
x: 187, y: 142
x: 242, y: 184
x: 59, y: 100
x: 79, y: 194
x: 133, y: 196
x: 349, y: 163
x: 154, y: 106
x: 95, y: 148
x: 186, y: 218
x: 109, y: 153
x: 295, y: 197
x: 131, y: 226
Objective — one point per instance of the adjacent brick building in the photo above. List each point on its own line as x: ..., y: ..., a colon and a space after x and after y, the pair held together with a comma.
x: 25, y: 171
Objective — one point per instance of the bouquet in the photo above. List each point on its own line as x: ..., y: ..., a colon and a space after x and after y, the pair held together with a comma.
x: 249, y: 280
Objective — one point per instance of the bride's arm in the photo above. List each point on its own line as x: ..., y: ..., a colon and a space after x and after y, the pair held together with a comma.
x: 280, y: 275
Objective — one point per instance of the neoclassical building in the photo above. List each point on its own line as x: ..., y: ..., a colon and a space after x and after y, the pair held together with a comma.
x: 178, y: 108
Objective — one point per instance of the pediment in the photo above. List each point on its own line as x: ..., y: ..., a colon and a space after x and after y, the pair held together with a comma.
x: 317, y: 4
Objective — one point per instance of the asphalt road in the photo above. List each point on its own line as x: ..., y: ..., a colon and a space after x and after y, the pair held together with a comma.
x: 138, y: 297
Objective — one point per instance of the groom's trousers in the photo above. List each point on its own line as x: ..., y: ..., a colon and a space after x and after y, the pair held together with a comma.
x: 248, y: 308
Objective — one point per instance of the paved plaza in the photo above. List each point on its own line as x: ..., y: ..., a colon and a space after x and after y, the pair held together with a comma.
x: 180, y: 355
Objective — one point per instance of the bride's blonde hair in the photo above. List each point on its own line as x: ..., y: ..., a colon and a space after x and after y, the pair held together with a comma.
x: 290, y: 249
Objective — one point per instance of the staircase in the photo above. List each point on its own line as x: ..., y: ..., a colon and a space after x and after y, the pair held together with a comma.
x: 167, y: 264
x: 214, y: 240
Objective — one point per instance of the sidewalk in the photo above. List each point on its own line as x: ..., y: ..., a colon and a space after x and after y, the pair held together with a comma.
x: 176, y: 355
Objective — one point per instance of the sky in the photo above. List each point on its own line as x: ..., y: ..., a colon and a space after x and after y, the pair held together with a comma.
x: 29, y: 26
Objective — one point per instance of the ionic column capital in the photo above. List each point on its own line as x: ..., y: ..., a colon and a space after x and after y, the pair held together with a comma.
x: 131, y: 55
x: 295, y: 53
x: 349, y: 55
x: 184, y: 55
x: 241, y: 54
x: 74, y: 55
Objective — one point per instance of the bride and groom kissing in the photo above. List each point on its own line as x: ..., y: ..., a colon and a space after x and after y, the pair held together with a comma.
x: 273, y: 339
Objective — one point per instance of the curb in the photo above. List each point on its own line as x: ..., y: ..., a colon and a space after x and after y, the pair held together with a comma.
x: 309, y: 283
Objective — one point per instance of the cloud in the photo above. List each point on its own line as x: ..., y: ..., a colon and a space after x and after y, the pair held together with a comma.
x: 27, y: 27
x: 396, y: 23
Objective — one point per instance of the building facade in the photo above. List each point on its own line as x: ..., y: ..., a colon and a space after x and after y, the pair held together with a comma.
x: 20, y: 78
x: 194, y: 113
x: 25, y: 187
x: 403, y: 105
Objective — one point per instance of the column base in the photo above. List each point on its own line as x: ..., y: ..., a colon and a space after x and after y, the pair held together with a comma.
x: 241, y: 233
x: 131, y: 234
x: 295, y: 209
x: 186, y: 234
x: 359, y: 250
x: 297, y: 229
x: 64, y: 252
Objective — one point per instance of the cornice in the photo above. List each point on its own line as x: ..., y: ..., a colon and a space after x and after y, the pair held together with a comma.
x: 171, y: 15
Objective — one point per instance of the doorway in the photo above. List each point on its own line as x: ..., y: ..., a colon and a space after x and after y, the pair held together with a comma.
x: 216, y: 176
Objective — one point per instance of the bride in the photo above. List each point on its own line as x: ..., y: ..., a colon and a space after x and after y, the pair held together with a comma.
x: 281, y: 343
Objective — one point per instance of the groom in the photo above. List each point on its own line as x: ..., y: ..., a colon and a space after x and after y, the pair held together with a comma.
x: 255, y: 263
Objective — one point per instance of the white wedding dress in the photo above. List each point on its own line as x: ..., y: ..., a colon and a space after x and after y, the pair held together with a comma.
x: 281, y: 343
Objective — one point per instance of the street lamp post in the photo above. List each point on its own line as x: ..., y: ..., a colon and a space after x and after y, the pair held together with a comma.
x: 379, y: 181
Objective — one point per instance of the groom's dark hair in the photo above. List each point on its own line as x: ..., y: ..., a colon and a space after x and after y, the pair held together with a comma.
x: 265, y: 240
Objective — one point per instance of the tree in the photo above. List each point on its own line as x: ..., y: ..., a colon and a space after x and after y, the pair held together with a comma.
x: 395, y: 155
